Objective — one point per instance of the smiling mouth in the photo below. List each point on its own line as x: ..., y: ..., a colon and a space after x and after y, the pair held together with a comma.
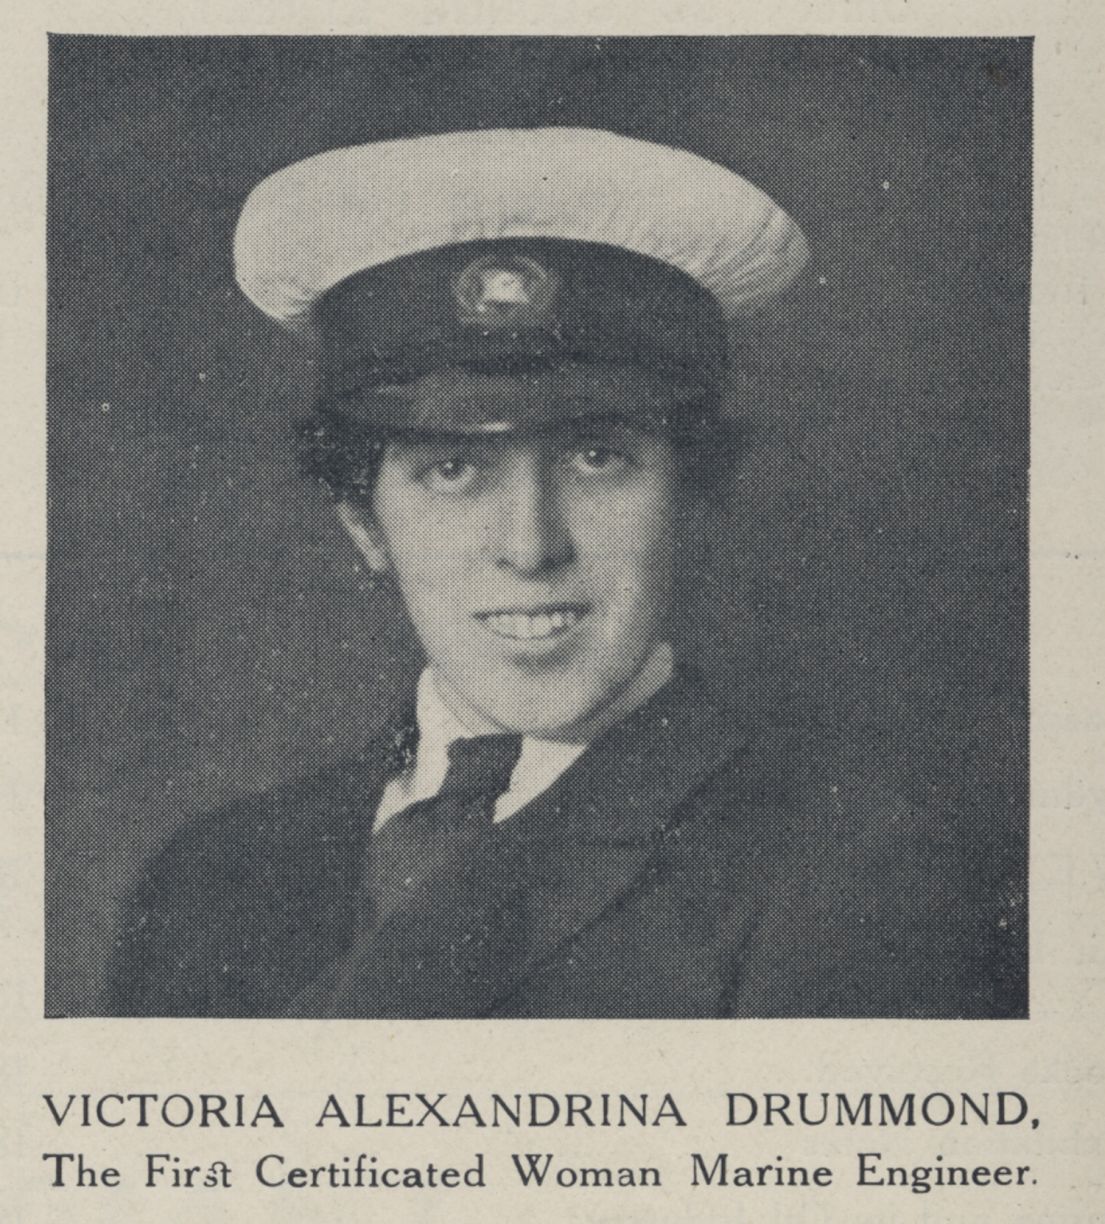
x: 536, y: 624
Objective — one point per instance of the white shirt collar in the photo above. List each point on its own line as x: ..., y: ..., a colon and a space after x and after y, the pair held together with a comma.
x: 541, y: 761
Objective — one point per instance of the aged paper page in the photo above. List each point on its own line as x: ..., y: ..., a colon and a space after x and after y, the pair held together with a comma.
x: 201, y: 639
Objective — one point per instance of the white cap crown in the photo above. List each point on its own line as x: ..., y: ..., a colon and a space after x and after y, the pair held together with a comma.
x: 308, y: 227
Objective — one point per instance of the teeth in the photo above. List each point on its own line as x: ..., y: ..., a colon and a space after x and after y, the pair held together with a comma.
x: 521, y: 626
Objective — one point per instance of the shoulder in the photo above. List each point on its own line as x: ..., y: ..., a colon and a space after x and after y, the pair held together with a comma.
x: 236, y: 891
x: 295, y: 820
x: 832, y: 822
x: 861, y: 900
x: 326, y: 803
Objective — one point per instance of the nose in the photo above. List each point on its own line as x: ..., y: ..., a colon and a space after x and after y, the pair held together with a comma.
x: 534, y: 537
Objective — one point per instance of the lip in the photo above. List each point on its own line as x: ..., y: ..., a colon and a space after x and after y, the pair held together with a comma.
x: 533, y: 625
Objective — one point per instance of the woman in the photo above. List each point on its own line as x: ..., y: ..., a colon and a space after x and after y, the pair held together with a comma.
x: 522, y: 346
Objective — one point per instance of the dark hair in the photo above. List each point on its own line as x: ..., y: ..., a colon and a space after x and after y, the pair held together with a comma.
x: 340, y: 454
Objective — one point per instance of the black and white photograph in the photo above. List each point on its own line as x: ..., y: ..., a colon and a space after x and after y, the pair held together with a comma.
x: 538, y: 527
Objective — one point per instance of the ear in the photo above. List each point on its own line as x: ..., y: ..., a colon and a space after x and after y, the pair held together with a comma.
x: 366, y: 536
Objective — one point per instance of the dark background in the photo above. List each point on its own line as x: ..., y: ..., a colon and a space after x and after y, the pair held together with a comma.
x: 864, y: 594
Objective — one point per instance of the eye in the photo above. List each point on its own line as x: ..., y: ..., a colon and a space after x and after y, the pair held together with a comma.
x: 596, y: 458
x: 452, y: 475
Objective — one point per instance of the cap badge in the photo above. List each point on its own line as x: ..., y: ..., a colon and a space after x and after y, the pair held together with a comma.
x: 495, y: 293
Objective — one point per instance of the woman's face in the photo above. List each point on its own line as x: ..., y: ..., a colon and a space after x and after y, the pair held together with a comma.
x: 536, y: 567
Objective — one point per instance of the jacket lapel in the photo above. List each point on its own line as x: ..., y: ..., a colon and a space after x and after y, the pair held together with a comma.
x: 594, y: 835
x: 323, y: 852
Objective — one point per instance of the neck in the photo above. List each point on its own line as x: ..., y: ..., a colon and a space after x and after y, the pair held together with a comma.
x: 654, y: 673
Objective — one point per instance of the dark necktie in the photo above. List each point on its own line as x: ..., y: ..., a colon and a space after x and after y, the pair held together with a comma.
x: 421, y: 909
x: 429, y: 840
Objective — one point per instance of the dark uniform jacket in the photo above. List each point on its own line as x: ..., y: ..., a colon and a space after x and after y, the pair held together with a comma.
x: 676, y: 869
